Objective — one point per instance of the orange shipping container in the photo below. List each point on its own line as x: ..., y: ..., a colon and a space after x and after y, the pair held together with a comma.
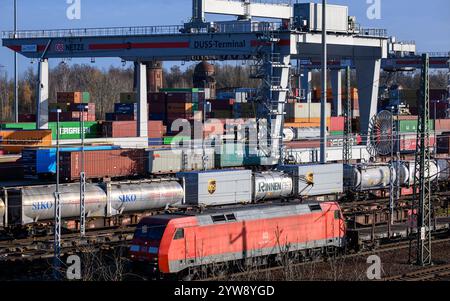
x: 16, y: 140
x: 69, y: 97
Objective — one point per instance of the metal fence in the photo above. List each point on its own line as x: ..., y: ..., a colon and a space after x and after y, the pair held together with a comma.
x: 222, y: 27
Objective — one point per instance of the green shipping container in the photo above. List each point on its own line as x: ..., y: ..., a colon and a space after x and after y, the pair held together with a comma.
x: 18, y: 126
x: 174, y: 140
x: 410, y: 126
x: 67, y: 131
x: 71, y: 130
x: 337, y: 133
x: 86, y: 97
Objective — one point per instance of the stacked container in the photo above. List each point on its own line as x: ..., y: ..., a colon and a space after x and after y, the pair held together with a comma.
x: 69, y: 104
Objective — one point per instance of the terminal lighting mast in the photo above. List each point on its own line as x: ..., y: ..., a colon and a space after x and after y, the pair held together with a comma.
x: 57, y: 243
x: 323, y: 114
x: 16, y: 71
x: 422, y: 183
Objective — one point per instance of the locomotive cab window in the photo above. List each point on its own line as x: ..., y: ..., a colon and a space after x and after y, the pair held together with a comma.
x: 315, y: 208
x: 179, y: 234
x: 337, y: 214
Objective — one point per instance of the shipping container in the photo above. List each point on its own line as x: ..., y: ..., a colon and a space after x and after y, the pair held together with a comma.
x: 229, y: 155
x: 128, y: 97
x: 123, y: 129
x: 175, y: 140
x: 73, y: 97
x: 103, y: 164
x: 155, y: 142
x: 316, y: 179
x: 214, y: 188
x: 337, y: 124
x: 162, y: 161
x: 410, y: 126
x: 27, y: 117
x: 42, y: 161
x: 443, y: 143
x: 72, y: 130
x: 408, y: 142
x: 193, y: 159
x: 443, y: 125
x: 305, y: 110
x: 311, y: 13
x: 14, y: 141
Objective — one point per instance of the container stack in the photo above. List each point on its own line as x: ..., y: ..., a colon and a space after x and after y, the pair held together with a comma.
x: 300, y: 115
x: 69, y: 104
x: 407, y: 127
x: 183, y: 104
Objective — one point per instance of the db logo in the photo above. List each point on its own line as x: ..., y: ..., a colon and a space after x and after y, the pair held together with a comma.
x: 59, y: 47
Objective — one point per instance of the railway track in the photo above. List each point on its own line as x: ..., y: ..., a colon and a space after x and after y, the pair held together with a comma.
x: 440, y: 272
x: 42, y: 247
x: 383, y: 249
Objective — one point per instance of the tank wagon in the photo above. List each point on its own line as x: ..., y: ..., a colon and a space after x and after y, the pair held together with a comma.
x: 35, y: 204
x: 257, y: 234
x: 367, y: 177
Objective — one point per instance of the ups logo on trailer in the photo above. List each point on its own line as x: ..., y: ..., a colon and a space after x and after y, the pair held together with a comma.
x: 212, y: 186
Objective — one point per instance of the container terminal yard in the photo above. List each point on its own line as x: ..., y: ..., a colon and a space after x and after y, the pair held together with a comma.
x: 293, y: 178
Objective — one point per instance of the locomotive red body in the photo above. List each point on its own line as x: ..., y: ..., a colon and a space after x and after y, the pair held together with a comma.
x: 173, y: 243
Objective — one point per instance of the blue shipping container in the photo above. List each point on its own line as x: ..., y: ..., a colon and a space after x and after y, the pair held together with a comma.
x: 125, y: 108
x: 155, y: 141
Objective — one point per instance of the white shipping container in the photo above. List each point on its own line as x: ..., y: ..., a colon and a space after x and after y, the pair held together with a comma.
x: 316, y: 179
x: 311, y: 13
x: 215, y: 188
x: 194, y: 159
x: 306, y: 110
x: 165, y: 161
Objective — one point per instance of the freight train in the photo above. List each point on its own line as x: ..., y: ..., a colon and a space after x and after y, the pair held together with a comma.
x: 32, y: 205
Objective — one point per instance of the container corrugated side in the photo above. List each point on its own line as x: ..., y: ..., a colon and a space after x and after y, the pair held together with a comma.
x: 214, y: 188
x: 103, y: 164
x: 162, y: 161
x: 316, y: 179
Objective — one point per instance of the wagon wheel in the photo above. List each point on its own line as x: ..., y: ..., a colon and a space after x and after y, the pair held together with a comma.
x: 380, y: 134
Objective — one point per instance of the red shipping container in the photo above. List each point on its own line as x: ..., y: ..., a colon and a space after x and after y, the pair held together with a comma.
x: 103, y: 164
x: 442, y: 125
x: 27, y: 118
x: 337, y: 124
x: 123, y: 129
x: 409, y: 142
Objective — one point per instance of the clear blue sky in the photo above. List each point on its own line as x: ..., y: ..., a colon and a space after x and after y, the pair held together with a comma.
x: 426, y: 22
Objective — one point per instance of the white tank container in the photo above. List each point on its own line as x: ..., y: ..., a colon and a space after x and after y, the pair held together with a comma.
x: 145, y: 196
x: 288, y: 135
x: 433, y: 174
x: 444, y: 172
x: 271, y: 185
x: 402, y: 169
x: 367, y: 177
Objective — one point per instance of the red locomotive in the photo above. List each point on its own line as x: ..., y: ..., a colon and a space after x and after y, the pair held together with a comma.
x: 177, y: 243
